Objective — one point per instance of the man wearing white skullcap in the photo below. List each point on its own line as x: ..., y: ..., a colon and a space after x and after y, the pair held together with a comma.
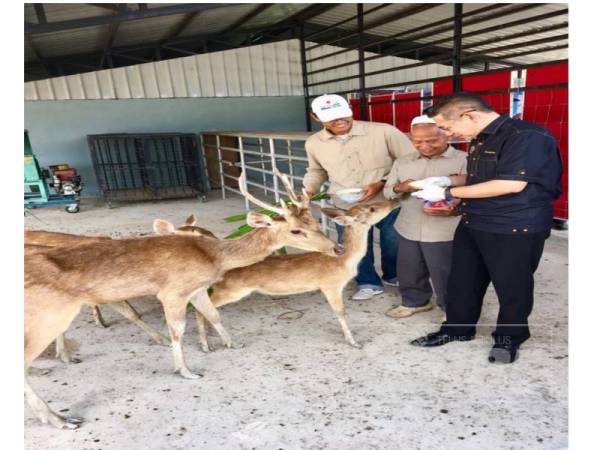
x: 426, y: 231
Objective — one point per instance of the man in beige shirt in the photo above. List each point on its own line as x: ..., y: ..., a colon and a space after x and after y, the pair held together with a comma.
x: 426, y: 233
x: 355, y: 154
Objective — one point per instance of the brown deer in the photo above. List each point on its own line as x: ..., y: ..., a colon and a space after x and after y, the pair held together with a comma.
x: 299, y: 205
x: 306, y: 272
x: 40, y: 241
x: 177, y: 269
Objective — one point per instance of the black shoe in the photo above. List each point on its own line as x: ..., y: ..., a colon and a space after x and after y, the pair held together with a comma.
x: 439, y: 338
x: 505, y: 354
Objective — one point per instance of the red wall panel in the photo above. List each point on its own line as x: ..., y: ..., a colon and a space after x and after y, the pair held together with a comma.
x: 406, y: 111
x: 550, y: 108
x: 381, y: 112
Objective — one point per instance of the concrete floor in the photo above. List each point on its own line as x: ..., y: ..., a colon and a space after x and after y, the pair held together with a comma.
x: 297, y: 384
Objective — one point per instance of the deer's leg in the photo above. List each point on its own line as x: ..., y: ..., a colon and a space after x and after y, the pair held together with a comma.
x: 175, y: 306
x: 202, y: 303
x: 44, y: 413
x: 63, y: 351
x: 98, y: 317
x: 221, y: 296
x: 335, y: 299
x: 127, y: 311
x: 41, y: 329
x: 202, y: 339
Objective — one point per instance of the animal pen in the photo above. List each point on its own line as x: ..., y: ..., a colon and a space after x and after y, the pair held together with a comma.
x: 256, y: 154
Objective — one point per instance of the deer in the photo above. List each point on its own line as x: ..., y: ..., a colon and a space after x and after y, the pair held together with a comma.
x: 37, y: 241
x: 300, y: 205
x: 306, y: 272
x: 178, y: 269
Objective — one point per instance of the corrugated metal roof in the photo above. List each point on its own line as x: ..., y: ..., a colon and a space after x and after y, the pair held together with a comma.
x: 71, y: 42
x: 153, y: 30
x: 148, y: 30
x: 213, y: 20
x: 58, y: 12
x: 276, y: 13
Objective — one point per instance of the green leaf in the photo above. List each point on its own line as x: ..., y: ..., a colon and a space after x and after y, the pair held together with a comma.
x: 236, y: 218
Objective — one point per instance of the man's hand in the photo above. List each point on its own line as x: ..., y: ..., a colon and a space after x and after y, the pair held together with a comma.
x: 451, y: 210
x: 309, y: 194
x: 399, y: 188
x: 371, y: 190
x: 431, y: 194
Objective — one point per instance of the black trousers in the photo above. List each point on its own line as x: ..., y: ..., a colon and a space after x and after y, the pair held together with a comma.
x: 509, y: 262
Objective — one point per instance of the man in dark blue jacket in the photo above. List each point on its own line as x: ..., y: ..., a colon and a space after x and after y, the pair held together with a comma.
x: 513, y: 176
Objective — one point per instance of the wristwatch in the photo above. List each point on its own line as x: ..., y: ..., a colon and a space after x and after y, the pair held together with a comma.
x: 447, y: 195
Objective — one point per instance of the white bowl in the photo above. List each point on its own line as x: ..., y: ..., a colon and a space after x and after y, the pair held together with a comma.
x: 350, y: 195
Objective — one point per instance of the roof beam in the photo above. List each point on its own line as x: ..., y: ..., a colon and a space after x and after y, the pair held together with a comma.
x: 308, y: 13
x: 122, y: 17
x: 110, y: 6
x: 40, y: 13
x: 178, y: 29
x: 251, y: 15
x: 110, y: 39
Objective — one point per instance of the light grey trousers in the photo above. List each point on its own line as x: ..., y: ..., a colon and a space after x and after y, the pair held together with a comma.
x: 417, y: 262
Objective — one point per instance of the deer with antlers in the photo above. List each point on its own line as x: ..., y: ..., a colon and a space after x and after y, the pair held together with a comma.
x: 305, y: 272
x: 177, y: 269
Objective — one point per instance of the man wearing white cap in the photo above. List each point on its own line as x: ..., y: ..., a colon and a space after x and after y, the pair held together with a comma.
x: 426, y: 232
x: 356, y: 154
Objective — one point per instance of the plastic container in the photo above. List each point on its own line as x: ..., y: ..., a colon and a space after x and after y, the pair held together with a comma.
x: 350, y: 195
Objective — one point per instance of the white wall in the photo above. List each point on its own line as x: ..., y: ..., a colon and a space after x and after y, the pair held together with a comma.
x: 269, y: 70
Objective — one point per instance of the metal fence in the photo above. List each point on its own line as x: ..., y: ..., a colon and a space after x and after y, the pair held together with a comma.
x: 257, y: 154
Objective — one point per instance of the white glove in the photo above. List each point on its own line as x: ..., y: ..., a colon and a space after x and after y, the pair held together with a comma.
x: 432, y: 181
x: 431, y: 193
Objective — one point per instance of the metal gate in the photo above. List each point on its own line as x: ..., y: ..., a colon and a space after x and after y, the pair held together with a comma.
x: 133, y: 167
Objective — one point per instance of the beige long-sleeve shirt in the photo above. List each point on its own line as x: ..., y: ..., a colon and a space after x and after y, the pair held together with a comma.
x: 412, y: 223
x: 365, y: 157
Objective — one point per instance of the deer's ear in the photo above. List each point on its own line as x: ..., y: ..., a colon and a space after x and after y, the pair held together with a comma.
x: 332, y: 212
x: 163, y: 227
x: 258, y: 220
x: 338, y: 216
x: 191, y: 221
x: 343, y: 220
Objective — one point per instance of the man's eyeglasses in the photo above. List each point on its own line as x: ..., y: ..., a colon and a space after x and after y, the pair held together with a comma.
x: 457, y: 119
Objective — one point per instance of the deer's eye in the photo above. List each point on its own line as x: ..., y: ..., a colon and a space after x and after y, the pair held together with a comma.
x: 296, y: 232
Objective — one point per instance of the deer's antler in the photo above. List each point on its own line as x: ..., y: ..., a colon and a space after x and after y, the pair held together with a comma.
x: 289, y: 189
x: 250, y: 197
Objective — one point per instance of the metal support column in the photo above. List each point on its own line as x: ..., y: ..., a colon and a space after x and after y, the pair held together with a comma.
x: 457, y: 48
x: 273, y: 167
x: 221, y: 173
x: 243, y: 164
x: 361, y: 62
x: 290, y: 162
x: 262, y: 165
x: 305, y: 79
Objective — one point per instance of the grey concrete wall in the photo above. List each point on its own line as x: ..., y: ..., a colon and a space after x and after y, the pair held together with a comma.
x: 58, y: 129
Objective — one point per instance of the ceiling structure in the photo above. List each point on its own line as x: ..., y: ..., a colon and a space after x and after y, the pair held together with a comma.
x: 70, y: 38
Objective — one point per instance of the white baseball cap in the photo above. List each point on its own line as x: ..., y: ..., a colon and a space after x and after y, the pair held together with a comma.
x: 419, y: 120
x: 330, y: 107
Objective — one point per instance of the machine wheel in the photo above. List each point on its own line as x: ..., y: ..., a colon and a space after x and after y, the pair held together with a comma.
x: 72, y: 209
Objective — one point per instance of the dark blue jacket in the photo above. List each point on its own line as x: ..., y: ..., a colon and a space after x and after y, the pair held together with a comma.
x: 509, y: 149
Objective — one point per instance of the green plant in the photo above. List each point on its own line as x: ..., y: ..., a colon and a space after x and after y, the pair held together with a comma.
x: 247, y: 228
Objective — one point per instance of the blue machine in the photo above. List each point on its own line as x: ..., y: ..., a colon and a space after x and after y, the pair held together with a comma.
x: 65, y: 182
